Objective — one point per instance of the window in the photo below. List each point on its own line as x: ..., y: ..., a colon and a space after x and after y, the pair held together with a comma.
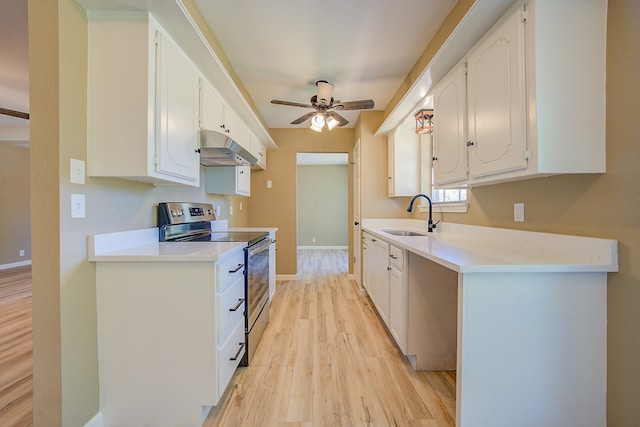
x: 444, y: 199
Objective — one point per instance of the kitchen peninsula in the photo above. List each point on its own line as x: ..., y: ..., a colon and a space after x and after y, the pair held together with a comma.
x: 521, y: 317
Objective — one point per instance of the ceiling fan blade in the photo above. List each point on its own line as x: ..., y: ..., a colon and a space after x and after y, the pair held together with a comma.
x: 14, y: 113
x: 292, y: 104
x: 365, y: 104
x: 338, y: 117
x: 303, y: 118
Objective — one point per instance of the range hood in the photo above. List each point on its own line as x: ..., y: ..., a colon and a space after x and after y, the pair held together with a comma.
x: 217, y: 149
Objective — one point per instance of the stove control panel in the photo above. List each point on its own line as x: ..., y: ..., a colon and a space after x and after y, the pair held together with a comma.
x: 171, y: 213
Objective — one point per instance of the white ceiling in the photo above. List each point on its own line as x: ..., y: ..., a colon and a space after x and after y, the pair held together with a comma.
x: 280, y: 48
x: 14, y: 69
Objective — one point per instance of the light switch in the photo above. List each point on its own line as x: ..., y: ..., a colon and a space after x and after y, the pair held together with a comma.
x: 77, y: 206
x: 77, y: 171
x: 269, y: 183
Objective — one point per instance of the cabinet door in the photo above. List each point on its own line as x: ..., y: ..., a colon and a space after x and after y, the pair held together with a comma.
x: 259, y: 150
x: 449, y: 135
x: 231, y: 122
x: 397, y: 308
x: 210, y: 107
x: 404, y: 162
x: 496, y: 101
x: 178, y: 95
x: 366, y: 262
x: 243, y: 180
x: 380, y: 278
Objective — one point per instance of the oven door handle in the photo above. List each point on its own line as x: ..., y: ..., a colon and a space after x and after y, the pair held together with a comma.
x: 257, y: 248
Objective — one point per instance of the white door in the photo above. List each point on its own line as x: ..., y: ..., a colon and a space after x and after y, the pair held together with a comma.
x: 496, y: 101
x: 357, y: 254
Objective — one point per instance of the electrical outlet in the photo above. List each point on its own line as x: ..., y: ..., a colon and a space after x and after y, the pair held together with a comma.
x: 21, y: 252
x: 240, y: 205
x: 518, y: 212
x: 313, y: 240
x: 77, y: 171
x: 230, y: 210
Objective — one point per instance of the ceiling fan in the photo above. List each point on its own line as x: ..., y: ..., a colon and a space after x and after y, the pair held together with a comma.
x: 326, y: 107
x: 14, y: 113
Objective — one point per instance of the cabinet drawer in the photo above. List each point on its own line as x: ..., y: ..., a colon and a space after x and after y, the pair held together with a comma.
x: 229, y: 356
x: 396, y: 258
x: 229, y: 270
x: 230, y: 309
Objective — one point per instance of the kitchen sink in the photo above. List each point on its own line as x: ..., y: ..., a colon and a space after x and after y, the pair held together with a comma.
x: 404, y: 233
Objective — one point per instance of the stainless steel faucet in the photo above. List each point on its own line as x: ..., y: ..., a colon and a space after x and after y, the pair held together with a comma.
x: 430, y: 225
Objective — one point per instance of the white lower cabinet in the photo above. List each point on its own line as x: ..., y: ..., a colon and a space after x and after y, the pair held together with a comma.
x: 398, y: 297
x: 366, y: 262
x: 385, y: 281
x: 380, y: 277
x: 170, y: 336
x: 233, y: 180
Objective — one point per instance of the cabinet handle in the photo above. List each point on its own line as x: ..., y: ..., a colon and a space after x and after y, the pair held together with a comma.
x: 237, y: 268
x: 374, y: 240
x: 469, y: 143
x: 240, y: 347
x: 237, y: 306
x: 434, y: 159
x: 388, y: 268
x: 393, y: 257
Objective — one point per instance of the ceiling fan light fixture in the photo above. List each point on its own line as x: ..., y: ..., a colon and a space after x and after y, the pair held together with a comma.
x: 315, y: 128
x: 332, y: 123
x: 318, y: 120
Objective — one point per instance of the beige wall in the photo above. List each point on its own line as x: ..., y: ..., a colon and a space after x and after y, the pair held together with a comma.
x: 323, y: 205
x: 276, y: 206
x: 15, y: 207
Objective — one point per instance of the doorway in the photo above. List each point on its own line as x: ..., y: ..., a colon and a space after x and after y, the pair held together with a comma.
x: 322, y: 207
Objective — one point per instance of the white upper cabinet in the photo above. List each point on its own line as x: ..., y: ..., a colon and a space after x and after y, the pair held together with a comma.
x: 259, y: 150
x: 228, y: 180
x: 216, y: 114
x: 450, y: 132
x: 535, y: 98
x: 142, y: 108
x: 178, y: 107
x: 496, y: 101
x: 403, y: 162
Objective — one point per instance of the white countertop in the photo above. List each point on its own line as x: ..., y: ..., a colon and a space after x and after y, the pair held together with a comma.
x: 474, y: 249
x: 143, y: 245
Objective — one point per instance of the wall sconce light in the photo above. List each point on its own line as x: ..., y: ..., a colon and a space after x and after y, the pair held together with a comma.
x: 424, y: 122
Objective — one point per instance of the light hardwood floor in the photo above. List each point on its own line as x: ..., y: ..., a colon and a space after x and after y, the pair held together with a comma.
x: 326, y: 360
x: 16, y: 348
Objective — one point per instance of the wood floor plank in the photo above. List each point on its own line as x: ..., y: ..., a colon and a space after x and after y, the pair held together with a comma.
x: 326, y: 359
x: 16, y: 348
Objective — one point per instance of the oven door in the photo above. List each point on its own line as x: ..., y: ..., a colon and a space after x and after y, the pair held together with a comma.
x: 257, y: 263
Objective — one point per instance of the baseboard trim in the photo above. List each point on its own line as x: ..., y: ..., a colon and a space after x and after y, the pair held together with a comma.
x: 15, y: 264
x: 96, y: 421
x: 322, y: 247
x: 286, y: 277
